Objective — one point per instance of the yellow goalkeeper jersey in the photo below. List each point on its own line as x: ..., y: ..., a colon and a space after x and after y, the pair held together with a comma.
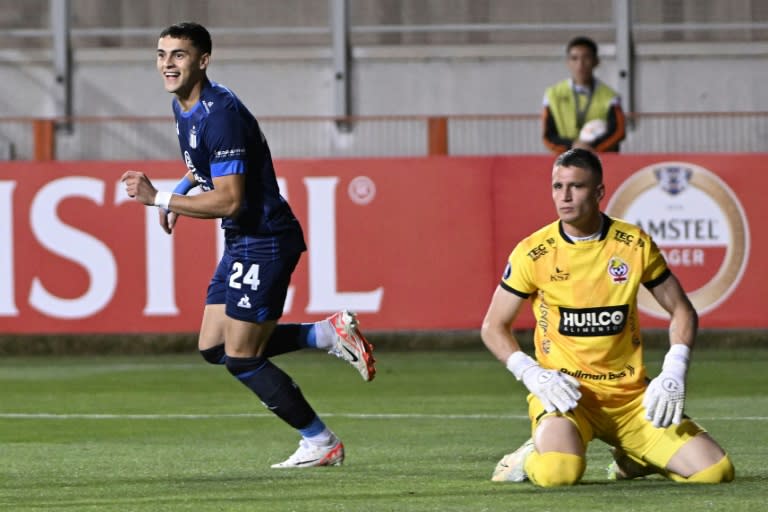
x: 584, y: 298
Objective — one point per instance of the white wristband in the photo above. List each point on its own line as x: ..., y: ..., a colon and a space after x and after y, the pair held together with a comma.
x: 163, y: 199
x: 680, y: 350
x: 676, y: 359
x: 518, y: 362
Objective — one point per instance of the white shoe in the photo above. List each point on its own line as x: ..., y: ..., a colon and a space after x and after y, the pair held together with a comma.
x: 351, y: 345
x: 625, y: 467
x: 511, y: 467
x: 309, y: 455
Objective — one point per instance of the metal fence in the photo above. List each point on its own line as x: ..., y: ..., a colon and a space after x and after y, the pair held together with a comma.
x: 149, y: 138
x: 375, y: 22
x: 734, y: 132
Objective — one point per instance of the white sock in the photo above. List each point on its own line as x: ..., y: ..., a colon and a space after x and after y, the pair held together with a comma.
x: 325, y: 334
x: 322, y: 439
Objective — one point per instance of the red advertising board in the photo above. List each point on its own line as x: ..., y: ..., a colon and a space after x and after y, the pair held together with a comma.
x: 410, y: 243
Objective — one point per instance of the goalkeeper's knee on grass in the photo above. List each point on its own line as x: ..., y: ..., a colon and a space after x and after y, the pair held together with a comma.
x: 721, y: 471
x: 552, y: 469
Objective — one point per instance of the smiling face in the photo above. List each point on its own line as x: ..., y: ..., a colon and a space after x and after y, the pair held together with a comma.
x: 182, y: 67
x: 577, y: 193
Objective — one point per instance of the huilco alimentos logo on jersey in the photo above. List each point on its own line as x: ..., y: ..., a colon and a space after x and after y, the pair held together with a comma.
x: 604, y: 321
x: 697, y: 222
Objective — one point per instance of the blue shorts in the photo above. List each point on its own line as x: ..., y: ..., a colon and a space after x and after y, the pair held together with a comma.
x: 252, y: 278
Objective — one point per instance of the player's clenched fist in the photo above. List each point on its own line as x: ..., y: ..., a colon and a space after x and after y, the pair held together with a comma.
x: 138, y: 186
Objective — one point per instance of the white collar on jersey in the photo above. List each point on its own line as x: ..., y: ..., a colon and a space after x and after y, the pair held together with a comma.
x: 593, y: 236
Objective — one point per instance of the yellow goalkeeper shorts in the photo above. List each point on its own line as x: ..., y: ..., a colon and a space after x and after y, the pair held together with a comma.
x: 624, y: 426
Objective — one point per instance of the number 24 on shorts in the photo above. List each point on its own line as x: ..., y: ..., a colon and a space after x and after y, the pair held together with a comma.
x: 251, y: 277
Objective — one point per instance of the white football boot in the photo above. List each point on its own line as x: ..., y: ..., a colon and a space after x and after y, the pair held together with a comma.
x: 625, y: 467
x: 309, y: 455
x: 511, y: 467
x: 351, y: 345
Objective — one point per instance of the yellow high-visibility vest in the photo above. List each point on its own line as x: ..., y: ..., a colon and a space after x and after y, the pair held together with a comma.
x: 562, y: 103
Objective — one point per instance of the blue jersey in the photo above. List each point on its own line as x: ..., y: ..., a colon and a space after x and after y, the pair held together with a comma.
x: 219, y: 137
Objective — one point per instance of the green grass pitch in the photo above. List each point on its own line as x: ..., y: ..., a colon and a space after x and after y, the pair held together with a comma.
x: 170, y: 433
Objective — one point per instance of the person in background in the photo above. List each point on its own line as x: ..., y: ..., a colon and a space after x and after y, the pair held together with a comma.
x: 227, y: 156
x: 588, y: 380
x: 581, y: 111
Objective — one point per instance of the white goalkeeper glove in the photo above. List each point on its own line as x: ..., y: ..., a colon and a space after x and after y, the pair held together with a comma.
x: 556, y: 390
x: 665, y: 397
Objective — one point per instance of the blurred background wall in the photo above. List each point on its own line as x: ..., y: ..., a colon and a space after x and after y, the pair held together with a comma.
x: 406, y: 57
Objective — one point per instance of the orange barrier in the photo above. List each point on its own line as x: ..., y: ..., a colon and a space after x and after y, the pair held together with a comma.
x: 410, y: 243
x: 152, y: 137
x: 44, y: 134
x: 437, y: 136
x: 44, y: 130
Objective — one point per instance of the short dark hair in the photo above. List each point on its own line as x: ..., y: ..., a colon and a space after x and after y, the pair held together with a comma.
x: 582, y: 41
x: 195, y: 32
x: 583, y: 159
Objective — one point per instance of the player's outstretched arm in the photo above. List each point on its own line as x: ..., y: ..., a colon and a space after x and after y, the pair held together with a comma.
x: 556, y: 390
x: 665, y: 397
x: 496, y: 331
x: 684, y: 321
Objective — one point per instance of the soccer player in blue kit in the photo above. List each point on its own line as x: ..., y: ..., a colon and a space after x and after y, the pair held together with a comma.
x: 227, y: 156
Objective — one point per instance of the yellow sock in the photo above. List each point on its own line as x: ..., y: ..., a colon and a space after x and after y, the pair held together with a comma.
x: 552, y: 469
x: 720, y: 472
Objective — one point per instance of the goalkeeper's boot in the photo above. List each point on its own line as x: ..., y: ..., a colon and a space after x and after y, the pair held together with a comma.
x: 351, y: 345
x: 625, y: 467
x: 511, y: 467
x: 309, y: 455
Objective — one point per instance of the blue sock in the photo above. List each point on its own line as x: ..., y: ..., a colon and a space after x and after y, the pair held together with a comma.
x: 215, y: 354
x: 289, y: 338
x: 314, y: 428
x: 274, y: 388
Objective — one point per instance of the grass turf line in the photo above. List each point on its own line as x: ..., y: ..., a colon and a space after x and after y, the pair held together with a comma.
x: 425, y: 435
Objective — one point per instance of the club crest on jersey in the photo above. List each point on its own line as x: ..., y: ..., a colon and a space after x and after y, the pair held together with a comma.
x: 193, y: 137
x: 618, y: 270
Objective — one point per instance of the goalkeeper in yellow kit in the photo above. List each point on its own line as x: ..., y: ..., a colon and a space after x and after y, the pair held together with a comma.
x: 588, y: 380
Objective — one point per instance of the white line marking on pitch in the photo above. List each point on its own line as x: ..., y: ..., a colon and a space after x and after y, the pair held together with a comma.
x: 382, y: 416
